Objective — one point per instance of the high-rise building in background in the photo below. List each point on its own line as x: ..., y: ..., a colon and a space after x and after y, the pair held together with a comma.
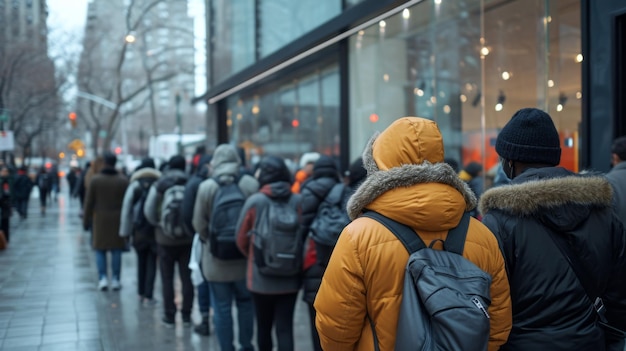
x: 24, y: 21
x: 29, y: 101
x: 140, y: 52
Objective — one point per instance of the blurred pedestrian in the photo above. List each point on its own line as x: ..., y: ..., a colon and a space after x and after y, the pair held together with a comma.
x: 6, y: 205
x: 22, y: 187
x: 102, y: 213
x: 617, y: 176
x: 44, y: 183
x: 306, y: 169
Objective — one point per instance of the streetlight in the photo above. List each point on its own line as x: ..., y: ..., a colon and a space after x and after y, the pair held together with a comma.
x: 130, y: 38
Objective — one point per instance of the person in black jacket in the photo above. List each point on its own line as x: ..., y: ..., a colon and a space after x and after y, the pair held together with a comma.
x: 314, y: 190
x: 189, y: 200
x: 22, y: 188
x: 545, y: 212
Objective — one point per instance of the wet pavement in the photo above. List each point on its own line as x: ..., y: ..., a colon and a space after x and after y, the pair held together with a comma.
x: 49, y: 300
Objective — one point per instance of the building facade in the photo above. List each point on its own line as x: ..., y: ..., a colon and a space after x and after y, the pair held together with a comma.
x: 288, y: 77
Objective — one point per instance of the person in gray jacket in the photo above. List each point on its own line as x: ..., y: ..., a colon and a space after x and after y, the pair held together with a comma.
x: 226, y: 277
x: 617, y: 176
x: 142, y: 234
x: 171, y: 250
x: 274, y: 296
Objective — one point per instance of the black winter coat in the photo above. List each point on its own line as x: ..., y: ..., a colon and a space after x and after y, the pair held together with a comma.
x: 313, y: 193
x: 551, y: 310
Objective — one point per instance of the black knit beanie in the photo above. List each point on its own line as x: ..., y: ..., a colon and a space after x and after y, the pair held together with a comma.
x: 177, y: 162
x: 530, y: 137
x: 273, y: 169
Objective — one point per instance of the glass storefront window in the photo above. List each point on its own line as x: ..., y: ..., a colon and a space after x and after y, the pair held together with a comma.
x: 282, y: 21
x: 433, y: 60
x: 296, y: 115
x: 232, y: 37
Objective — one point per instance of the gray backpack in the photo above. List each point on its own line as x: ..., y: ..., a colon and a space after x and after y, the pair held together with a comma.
x: 171, y: 219
x: 445, y: 296
x: 278, y: 240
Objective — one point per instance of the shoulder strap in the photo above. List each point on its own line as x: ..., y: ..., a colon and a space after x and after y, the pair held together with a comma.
x: 578, y: 268
x: 455, y: 241
x: 411, y: 241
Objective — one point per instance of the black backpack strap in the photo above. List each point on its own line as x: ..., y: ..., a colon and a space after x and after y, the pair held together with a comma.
x: 411, y: 241
x: 455, y: 241
x: 580, y: 271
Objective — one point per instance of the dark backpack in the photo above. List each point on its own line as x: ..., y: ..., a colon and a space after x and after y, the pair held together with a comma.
x: 140, y: 222
x: 44, y: 181
x: 227, y: 205
x: 278, y: 242
x: 171, y: 218
x: 330, y: 219
x: 445, y: 296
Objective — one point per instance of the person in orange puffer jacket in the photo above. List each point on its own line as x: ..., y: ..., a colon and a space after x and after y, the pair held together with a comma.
x: 407, y: 181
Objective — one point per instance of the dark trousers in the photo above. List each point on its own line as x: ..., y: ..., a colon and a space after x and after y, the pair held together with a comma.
x: 314, y: 335
x: 146, y: 271
x: 204, y: 298
x: 22, y: 207
x: 274, y: 311
x: 168, y: 257
x: 43, y: 197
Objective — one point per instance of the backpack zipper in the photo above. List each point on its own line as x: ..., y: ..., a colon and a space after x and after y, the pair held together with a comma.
x: 480, y: 306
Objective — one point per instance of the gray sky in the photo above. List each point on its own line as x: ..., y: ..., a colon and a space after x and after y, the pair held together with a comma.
x: 66, y: 22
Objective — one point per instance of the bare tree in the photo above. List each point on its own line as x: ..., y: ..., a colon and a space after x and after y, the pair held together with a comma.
x: 130, y: 87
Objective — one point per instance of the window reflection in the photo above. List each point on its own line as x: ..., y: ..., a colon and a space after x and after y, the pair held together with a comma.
x: 433, y: 61
x: 290, y: 117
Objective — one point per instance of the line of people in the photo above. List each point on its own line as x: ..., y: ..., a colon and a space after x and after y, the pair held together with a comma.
x: 252, y: 241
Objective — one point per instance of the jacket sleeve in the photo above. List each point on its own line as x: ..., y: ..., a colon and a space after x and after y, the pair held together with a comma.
x: 341, y: 300
x: 189, y: 201
x: 245, y: 225
x: 200, y: 219
x: 150, y: 209
x: 126, y: 217
x: 500, y: 309
x: 88, y: 207
x: 310, y: 202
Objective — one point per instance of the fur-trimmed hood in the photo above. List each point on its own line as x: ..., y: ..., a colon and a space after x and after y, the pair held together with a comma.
x: 538, y: 195
x: 145, y: 173
x: 427, y: 195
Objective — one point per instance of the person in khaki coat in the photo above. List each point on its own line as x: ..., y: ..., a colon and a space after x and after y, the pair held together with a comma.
x: 103, y: 207
x: 408, y: 182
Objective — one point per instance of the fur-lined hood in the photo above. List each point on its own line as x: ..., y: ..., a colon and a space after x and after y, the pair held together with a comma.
x: 415, y: 188
x: 145, y: 173
x: 531, y: 197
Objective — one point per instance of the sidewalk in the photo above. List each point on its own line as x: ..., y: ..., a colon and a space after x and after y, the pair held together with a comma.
x: 49, y: 300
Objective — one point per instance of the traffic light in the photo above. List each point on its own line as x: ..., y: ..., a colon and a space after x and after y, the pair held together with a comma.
x: 72, y: 117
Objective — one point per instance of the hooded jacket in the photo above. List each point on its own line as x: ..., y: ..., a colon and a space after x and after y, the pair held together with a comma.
x: 131, y: 196
x: 155, y: 199
x: 225, y: 164
x: 249, y: 219
x: 365, y: 275
x: 550, y: 306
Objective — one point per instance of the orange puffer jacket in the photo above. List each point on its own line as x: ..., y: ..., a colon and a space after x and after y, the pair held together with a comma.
x: 409, y: 183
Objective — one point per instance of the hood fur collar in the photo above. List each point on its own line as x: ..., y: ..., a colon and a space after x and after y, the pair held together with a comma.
x: 378, y: 182
x: 145, y: 173
x: 530, y: 197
